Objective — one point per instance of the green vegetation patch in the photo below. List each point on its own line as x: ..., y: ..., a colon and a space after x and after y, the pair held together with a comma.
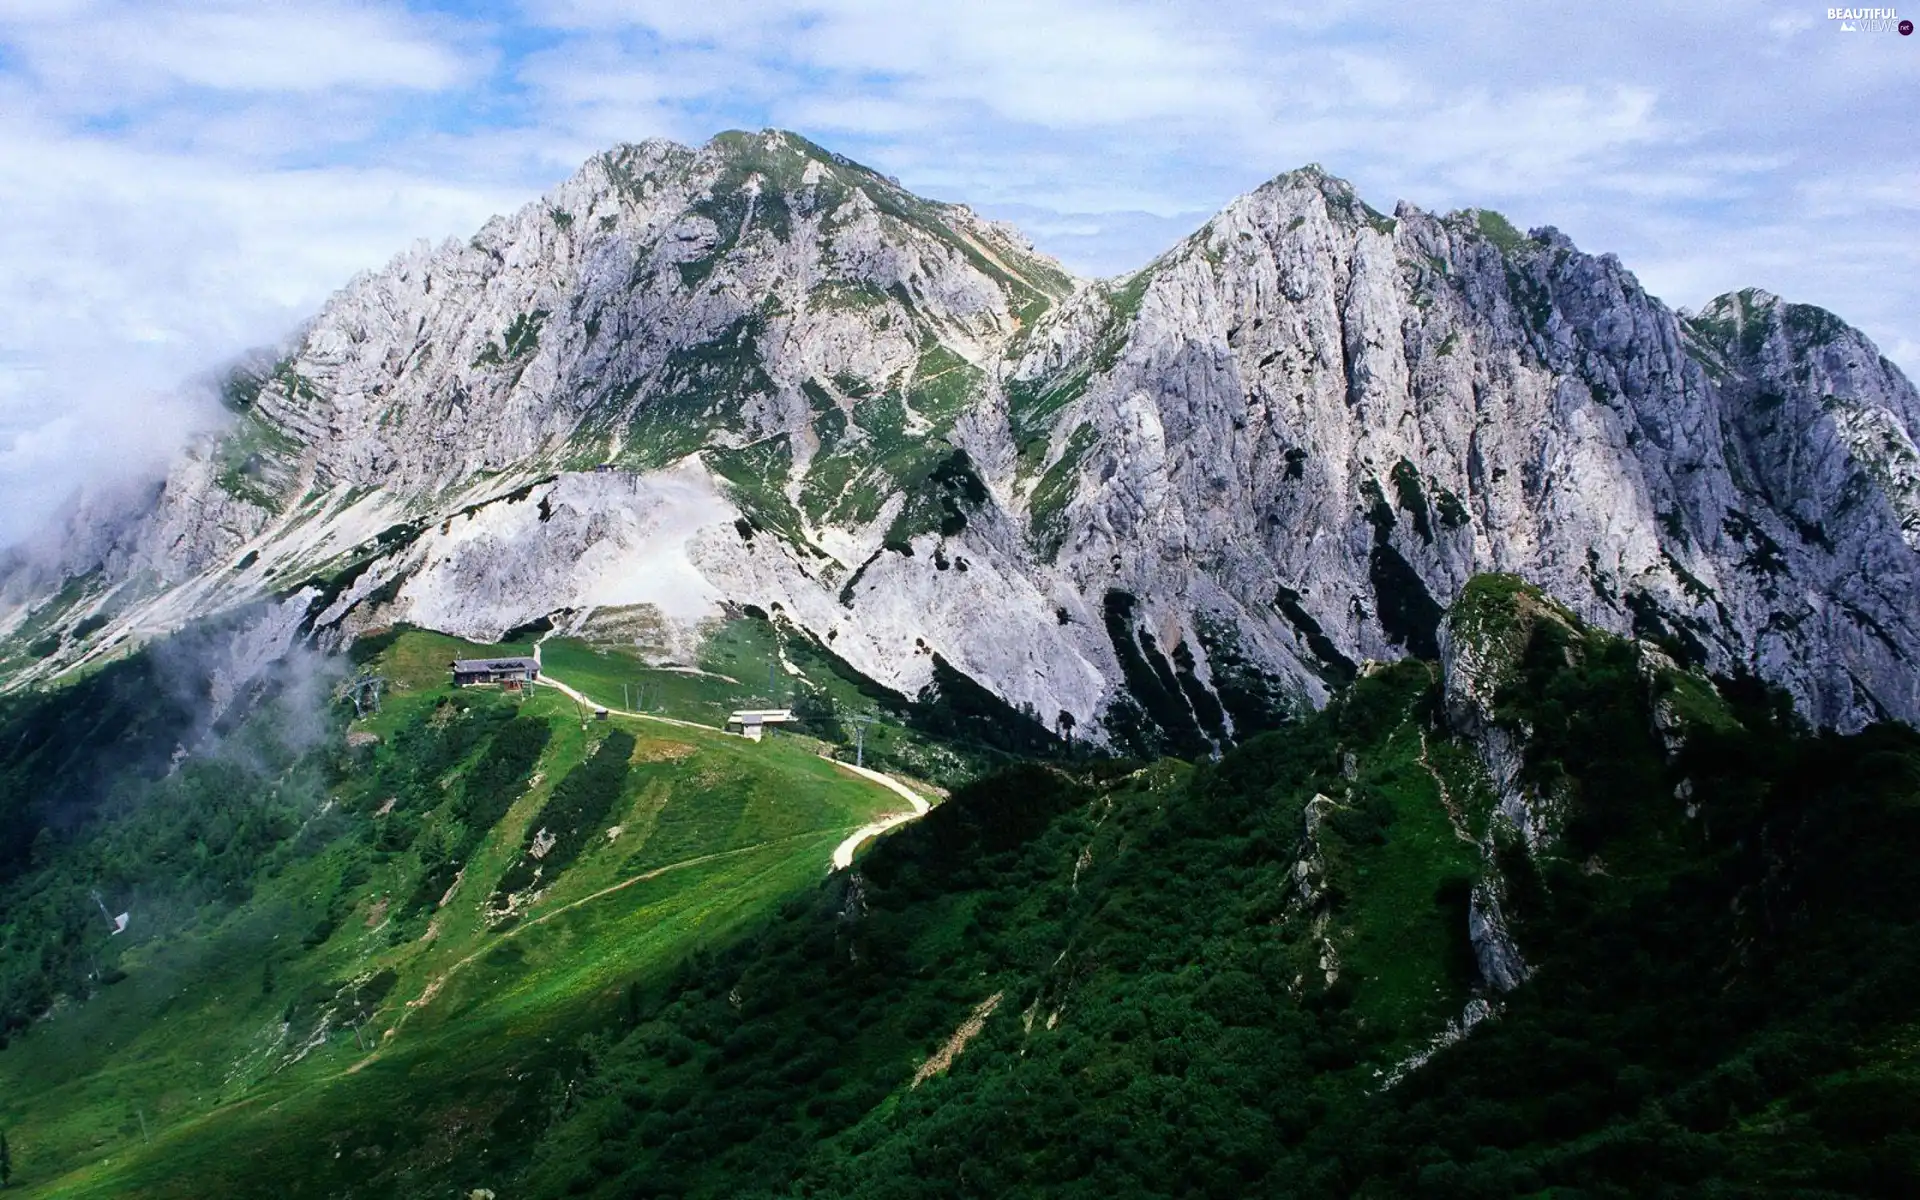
x: 940, y: 494
x: 488, y: 790
x: 1156, y: 1010
x: 956, y: 705
x: 1138, y: 933
x: 1497, y: 611
x: 944, y: 386
x: 1412, y: 499
x: 38, y: 635
x: 1069, y: 979
x: 1408, y: 613
x: 241, y: 387
x: 1498, y: 230
x: 756, y: 478
x: 1032, y: 406
x: 519, y: 341
x: 1047, y: 511
x: 698, y: 391
x: 857, y: 470
x: 256, y: 461
x: 1329, y: 663
x: 1166, y: 715
x: 1256, y: 698
x: 694, y: 822
x: 1123, y: 306
x: 1813, y: 325
x: 574, y: 816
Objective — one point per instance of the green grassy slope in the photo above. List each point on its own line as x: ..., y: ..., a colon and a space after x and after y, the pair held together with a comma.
x: 430, y: 1036
x: 1095, y: 979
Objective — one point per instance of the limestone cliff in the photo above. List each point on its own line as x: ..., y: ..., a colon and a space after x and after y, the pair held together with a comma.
x: 1166, y: 506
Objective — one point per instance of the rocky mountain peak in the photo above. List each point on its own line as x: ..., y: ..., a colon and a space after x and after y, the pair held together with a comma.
x: 1167, y: 506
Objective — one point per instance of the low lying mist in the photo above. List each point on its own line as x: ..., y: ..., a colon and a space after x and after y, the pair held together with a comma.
x: 154, y: 787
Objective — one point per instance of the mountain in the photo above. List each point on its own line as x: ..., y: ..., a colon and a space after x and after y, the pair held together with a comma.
x: 1164, y: 510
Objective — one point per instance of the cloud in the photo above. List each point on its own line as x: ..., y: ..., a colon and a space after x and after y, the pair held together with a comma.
x: 1062, y: 65
x: 131, y: 272
x: 100, y: 56
x: 1099, y: 243
x: 183, y: 180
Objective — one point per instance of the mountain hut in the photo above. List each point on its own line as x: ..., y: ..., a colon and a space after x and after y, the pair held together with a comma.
x: 515, y: 671
x: 751, y: 723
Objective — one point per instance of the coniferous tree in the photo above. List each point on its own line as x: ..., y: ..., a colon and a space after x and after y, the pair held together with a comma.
x: 6, y: 1161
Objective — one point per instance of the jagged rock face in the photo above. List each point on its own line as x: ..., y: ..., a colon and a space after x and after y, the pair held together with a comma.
x: 1164, y: 505
x: 1325, y: 421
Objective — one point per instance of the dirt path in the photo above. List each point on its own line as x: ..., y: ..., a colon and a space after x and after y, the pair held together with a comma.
x: 580, y: 698
x: 843, y: 853
x: 1454, y: 814
x: 969, y: 1029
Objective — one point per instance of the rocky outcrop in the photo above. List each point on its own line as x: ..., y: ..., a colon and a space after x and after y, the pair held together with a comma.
x: 1480, y: 642
x: 1494, y: 951
x: 1165, y: 506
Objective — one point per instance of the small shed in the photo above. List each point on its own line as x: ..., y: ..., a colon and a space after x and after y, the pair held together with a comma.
x: 468, y: 671
x: 751, y: 723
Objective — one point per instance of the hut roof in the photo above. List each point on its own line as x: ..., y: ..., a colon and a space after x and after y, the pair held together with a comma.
x: 472, y: 666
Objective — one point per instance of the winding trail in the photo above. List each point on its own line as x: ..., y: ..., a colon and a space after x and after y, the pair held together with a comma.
x: 1454, y: 814
x: 843, y: 853
x: 437, y: 982
x: 842, y: 858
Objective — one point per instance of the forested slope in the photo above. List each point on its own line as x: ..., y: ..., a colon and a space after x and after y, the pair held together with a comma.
x: 1220, y: 980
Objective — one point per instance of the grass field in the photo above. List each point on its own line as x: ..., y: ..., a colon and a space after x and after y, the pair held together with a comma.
x: 188, y: 1078
x: 733, y: 676
x: 742, y: 663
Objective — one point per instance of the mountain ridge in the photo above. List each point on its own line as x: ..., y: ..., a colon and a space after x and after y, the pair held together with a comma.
x: 1169, y: 507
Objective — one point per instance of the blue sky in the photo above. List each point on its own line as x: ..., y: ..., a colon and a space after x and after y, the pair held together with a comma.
x: 179, y: 181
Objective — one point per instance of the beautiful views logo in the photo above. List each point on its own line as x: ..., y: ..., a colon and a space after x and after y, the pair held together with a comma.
x: 1870, y: 20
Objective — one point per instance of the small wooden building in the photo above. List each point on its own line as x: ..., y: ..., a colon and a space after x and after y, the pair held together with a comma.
x: 468, y: 671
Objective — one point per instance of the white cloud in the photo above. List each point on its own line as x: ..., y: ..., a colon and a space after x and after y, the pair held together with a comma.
x: 867, y: 115
x: 95, y: 56
x: 1099, y: 243
x: 130, y: 272
x: 182, y: 180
